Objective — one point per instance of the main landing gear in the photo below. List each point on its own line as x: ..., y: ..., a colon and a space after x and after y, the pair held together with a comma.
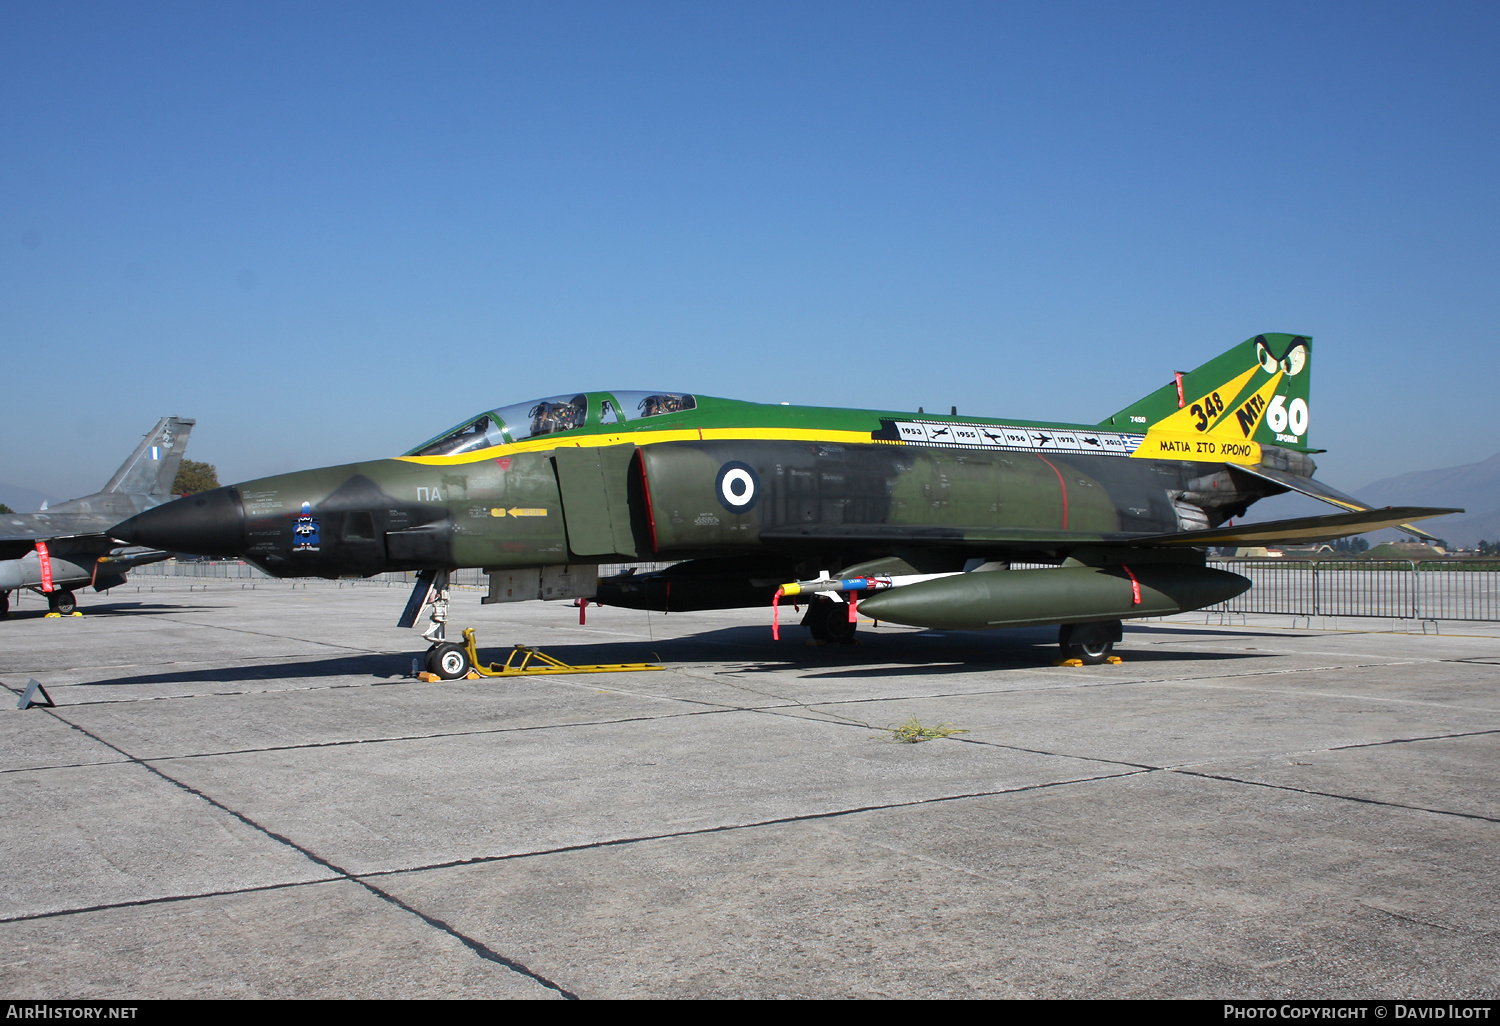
x: 1090, y: 643
x: 61, y: 602
x: 828, y: 621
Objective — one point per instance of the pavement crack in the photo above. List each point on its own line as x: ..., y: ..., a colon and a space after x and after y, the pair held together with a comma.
x: 263, y: 634
x: 1412, y: 740
x: 1340, y: 797
x: 427, y: 737
x: 1413, y: 919
x: 165, y: 899
x: 806, y: 817
x: 479, y: 948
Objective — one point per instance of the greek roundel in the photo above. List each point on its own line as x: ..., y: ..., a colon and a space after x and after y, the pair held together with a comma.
x: 738, y: 487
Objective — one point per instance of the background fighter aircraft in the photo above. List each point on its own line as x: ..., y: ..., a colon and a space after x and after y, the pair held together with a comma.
x: 68, y: 545
x: 920, y: 514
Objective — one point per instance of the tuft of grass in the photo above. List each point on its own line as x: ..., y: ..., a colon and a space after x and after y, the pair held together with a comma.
x: 912, y: 732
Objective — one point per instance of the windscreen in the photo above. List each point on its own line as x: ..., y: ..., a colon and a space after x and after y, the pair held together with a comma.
x: 480, y: 433
x: 549, y: 416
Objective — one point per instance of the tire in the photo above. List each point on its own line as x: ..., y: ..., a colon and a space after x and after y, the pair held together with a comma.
x: 4, y: 604
x: 62, y: 602
x: 828, y: 622
x: 448, y: 660
x: 1090, y: 643
x: 839, y: 627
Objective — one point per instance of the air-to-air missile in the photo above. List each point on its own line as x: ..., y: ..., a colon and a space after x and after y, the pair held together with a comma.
x: 752, y: 504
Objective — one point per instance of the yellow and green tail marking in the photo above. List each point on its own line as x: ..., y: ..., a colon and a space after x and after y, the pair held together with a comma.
x: 1223, y: 412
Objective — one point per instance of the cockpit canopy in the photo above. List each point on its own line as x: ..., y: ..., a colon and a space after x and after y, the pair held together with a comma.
x: 551, y: 415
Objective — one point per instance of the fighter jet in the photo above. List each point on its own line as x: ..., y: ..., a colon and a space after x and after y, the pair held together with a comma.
x: 910, y: 518
x: 59, y: 549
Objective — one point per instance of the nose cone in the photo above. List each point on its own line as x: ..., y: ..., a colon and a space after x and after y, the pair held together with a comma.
x: 208, y: 524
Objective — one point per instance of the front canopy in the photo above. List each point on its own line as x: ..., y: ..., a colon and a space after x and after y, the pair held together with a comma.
x: 552, y: 415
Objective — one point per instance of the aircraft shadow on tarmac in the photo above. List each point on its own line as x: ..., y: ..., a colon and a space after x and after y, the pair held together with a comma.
x: 117, y: 609
x: 749, y: 649
x: 379, y: 665
x: 914, y: 652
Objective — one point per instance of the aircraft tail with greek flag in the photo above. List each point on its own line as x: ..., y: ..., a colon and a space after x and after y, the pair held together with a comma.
x: 152, y: 468
x: 1224, y: 411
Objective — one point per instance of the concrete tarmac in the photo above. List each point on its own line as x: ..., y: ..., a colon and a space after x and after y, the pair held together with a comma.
x: 243, y: 793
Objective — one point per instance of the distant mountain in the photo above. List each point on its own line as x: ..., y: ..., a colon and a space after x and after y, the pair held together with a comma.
x: 1475, y: 487
x: 23, y: 500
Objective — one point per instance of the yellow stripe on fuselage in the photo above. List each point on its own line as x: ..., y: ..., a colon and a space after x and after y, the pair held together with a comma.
x: 546, y: 443
x: 1159, y: 444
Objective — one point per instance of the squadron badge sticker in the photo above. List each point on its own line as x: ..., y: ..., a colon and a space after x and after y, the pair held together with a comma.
x: 305, y: 534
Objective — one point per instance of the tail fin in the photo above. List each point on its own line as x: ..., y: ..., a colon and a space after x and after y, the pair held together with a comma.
x: 1253, y: 395
x: 152, y: 468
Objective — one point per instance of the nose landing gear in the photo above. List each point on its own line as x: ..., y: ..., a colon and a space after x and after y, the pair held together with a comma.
x: 448, y: 660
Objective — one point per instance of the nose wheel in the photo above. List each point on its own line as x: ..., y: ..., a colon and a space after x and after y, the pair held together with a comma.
x: 448, y: 660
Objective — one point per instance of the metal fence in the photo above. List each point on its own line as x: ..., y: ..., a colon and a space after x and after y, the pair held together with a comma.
x: 1403, y: 589
x: 233, y: 569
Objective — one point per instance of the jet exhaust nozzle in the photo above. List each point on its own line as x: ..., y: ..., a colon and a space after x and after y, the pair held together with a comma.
x: 208, y: 524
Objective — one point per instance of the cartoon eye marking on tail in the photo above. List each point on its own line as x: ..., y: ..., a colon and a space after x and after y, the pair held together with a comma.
x: 1291, y: 362
x: 1294, y: 360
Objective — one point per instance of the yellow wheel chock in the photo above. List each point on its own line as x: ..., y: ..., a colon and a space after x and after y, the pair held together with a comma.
x: 535, y: 663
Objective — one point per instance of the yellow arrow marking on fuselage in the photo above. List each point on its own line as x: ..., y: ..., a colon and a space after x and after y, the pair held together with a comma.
x: 518, y: 511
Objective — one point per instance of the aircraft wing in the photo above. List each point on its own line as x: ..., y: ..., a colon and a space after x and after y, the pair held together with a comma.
x: 1319, y: 490
x: 1302, y: 529
x: 30, y: 527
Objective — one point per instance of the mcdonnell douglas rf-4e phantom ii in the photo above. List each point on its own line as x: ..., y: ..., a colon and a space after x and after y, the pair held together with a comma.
x: 911, y: 518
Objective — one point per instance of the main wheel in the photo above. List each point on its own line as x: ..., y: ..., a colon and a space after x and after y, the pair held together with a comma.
x: 4, y: 604
x: 1091, y: 643
x: 448, y: 660
x: 62, y: 602
x: 828, y: 622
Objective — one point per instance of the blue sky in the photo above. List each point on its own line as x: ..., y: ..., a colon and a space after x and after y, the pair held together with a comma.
x: 329, y: 230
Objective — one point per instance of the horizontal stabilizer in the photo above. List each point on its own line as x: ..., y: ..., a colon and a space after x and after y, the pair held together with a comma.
x: 1319, y: 490
x: 1302, y: 529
